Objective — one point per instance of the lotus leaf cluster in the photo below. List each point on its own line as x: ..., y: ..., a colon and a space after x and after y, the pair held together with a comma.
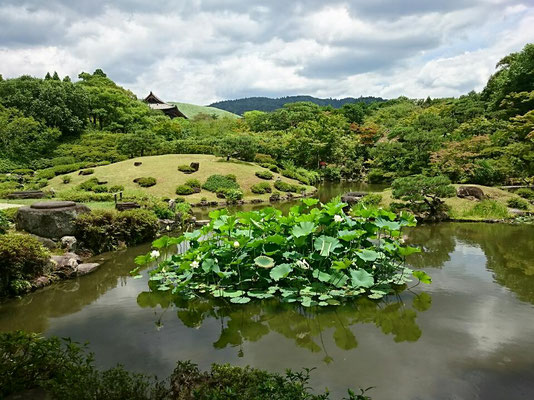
x: 315, y: 255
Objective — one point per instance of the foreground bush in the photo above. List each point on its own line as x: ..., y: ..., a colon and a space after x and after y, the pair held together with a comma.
x: 313, y: 256
x: 22, y: 258
x: 520, y: 204
x: 103, y: 230
x: 218, y: 182
x: 66, y: 371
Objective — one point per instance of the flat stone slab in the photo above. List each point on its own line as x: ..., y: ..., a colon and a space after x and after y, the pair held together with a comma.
x: 28, y: 194
x: 49, y: 205
x: 84, y: 269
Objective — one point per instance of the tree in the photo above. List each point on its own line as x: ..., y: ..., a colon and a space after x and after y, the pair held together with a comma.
x: 424, y: 193
x: 137, y: 144
x: 354, y: 112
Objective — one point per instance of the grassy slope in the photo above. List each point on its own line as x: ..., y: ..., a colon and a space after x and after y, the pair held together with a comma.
x: 459, y: 206
x: 191, y: 110
x: 164, y: 169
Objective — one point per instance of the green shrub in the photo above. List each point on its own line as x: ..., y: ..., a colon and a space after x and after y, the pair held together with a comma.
x: 102, y: 230
x: 371, y: 199
x: 264, y: 175
x: 116, y: 188
x: 179, y: 200
x: 66, y: 179
x: 376, y: 175
x: 88, y: 185
x: 10, y: 213
x: 186, y: 169
x: 261, y: 188
x: 83, y: 197
x: 233, y: 195
x: 332, y: 174
x: 184, y: 190
x: 45, y: 174
x: 264, y: 159
x: 526, y: 193
x: 270, y: 167
x: 100, y: 189
x: 520, y: 204
x: 193, y: 183
x: 287, y: 187
x: 217, y: 182
x: 231, y: 177
x: 145, y: 181
x: 23, y: 171
x: 89, y: 171
x: 22, y: 258
x: 4, y: 222
x: 488, y: 209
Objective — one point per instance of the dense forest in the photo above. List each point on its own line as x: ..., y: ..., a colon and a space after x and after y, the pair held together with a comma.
x: 54, y: 124
x: 240, y: 106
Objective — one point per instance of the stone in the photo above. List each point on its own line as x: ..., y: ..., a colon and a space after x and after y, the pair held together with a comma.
x: 195, y: 165
x: 256, y: 201
x: 68, y: 242
x: 202, y: 222
x: 274, y: 197
x: 470, y: 191
x: 352, y: 197
x: 41, y: 282
x: 27, y: 194
x: 84, y: 269
x: 137, y: 163
x: 46, y: 242
x: 67, y: 264
x: 126, y: 206
x: 53, y: 219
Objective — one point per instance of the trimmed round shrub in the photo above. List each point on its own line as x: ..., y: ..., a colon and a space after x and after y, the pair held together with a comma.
x: 232, y: 177
x: 4, y: 222
x: 194, y: 183
x: 264, y: 175
x: 184, y: 190
x: 86, y: 172
x: 22, y: 258
x: 261, y: 188
x: 371, y: 199
x: 10, y: 213
x: 233, y: 195
x: 66, y: 179
x: 263, y: 159
x: 287, y: 187
x: 88, y: 185
x: 215, y: 183
x: 270, y: 167
x: 520, y: 204
x: 526, y: 193
x: 145, y: 181
x: 187, y: 169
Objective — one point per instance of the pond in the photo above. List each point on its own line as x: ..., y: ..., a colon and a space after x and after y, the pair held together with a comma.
x: 468, y: 335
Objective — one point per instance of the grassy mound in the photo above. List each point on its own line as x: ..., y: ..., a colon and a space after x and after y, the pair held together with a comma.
x: 492, y: 208
x: 165, y: 169
x: 192, y: 110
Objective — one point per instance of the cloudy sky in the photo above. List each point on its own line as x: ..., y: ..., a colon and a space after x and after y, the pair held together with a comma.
x: 200, y: 51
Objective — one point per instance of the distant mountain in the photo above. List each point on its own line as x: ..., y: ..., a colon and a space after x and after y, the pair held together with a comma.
x: 239, y: 106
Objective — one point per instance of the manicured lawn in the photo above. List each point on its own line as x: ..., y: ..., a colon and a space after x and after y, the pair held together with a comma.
x: 165, y: 169
x: 192, y: 110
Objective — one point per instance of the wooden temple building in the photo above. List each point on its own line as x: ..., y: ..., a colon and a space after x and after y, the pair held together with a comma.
x: 171, y: 110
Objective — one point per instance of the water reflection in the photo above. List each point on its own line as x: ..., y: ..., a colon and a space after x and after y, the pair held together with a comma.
x: 305, y: 327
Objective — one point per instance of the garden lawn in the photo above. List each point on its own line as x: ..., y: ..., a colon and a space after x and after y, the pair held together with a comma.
x: 461, y: 208
x: 165, y: 169
x: 192, y: 110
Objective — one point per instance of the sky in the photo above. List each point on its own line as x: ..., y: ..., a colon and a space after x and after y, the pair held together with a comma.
x: 201, y: 51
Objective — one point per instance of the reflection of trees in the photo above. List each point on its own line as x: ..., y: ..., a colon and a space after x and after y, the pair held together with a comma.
x: 436, y: 241
x: 306, y: 327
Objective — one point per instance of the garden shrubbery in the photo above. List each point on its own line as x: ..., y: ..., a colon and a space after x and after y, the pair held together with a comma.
x: 184, y: 190
x: 520, y: 204
x: 215, y: 183
x: 145, y: 181
x: 526, y: 193
x: 287, y: 187
x: 261, y: 188
x: 187, y: 169
x: 22, y: 258
x: 103, y: 230
x: 264, y: 175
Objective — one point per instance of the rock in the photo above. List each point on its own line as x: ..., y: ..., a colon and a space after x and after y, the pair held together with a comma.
x: 102, y: 182
x: 470, y: 191
x: 52, y: 219
x: 195, y: 165
x: 130, y: 205
x: 274, y: 197
x: 67, y: 264
x: 213, y: 203
x: 202, y: 222
x: 84, y: 269
x: 168, y: 224
x: 352, y: 197
x: 137, y: 163
x: 256, y: 201
x: 48, y: 243
x: 220, y: 195
x: 41, y: 282
x: 68, y: 242
x: 28, y: 194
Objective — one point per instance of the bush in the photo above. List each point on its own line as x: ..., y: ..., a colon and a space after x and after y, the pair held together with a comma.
x: 218, y: 182
x: 520, y: 204
x: 186, y: 169
x: 261, y: 188
x: 102, y: 230
x: 193, y: 183
x: 23, y: 171
x: 145, y: 181
x: 371, y: 199
x: 287, y: 187
x: 526, y: 193
x: 488, y: 209
x: 66, y: 179
x: 45, y: 174
x: 100, y: 189
x: 22, y: 258
x: 116, y: 188
x: 83, y: 197
x: 184, y: 190
x: 263, y: 159
x: 4, y: 222
x: 264, y: 175
x: 10, y: 213
x: 88, y: 185
x: 270, y: 167
x: 89, y: 171
x: 233, y: 195
x: 376, y: 175
x: 332, y: 174
x: 231, y: 177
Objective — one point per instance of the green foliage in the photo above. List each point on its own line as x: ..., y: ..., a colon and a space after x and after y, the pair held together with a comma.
x: 66, y: 179
x: 215, y: 183
x: 371, y: 199
x: 313, y: 256
x: 147, y: 181
x: 194, y: 183
x: 4, y: 222
x: 232, y: 195
x: 526, y: 193
x: 103, y: 230
x: 517, y: 203
x: 332, y: 174
x: 488, y: 209
x: 261, y: 188
x: 186, y: 168
x: 264, y: 175
x: 184, y: 190
x: 83, y: 196
x: 10, y: 213
x: 287, y: 187
x: 22, y: 258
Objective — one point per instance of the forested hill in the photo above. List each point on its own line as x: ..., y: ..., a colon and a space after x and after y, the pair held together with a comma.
x: 240, y: 106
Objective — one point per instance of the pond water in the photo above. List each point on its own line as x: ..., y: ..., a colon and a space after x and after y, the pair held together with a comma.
x: 468, y: 335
